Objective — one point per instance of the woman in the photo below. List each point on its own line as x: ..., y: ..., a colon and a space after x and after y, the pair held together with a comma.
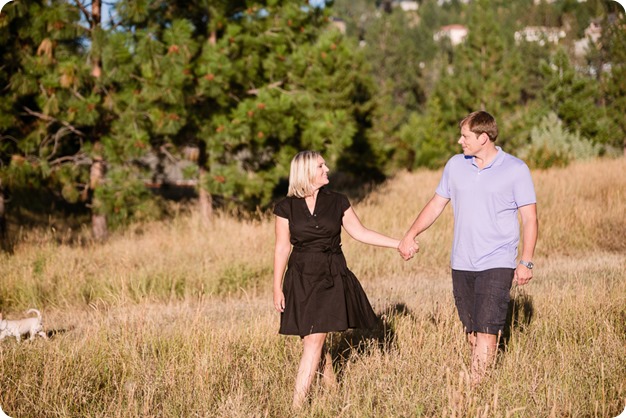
x: 319, y: 293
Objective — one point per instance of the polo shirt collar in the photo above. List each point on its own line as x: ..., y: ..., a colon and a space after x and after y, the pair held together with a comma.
x: 497, y: 160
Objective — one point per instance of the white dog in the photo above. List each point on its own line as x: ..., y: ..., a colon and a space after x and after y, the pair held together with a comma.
x: 20, y: 327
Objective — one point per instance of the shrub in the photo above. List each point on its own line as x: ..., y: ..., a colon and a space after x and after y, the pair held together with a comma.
x: 553, y: 145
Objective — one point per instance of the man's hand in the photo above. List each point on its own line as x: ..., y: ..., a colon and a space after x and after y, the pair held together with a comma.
x: 408, y: 248
x: 522, y: 275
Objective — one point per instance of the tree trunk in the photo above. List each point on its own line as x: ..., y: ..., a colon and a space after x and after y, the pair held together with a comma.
x: 96, y: 18
x: 99, y: 227
x: 205, y: 201
x: 98, y: 218
x: 98, y: 215
x: 213, y: 38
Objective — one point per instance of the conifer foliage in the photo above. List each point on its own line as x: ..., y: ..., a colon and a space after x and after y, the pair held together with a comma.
x: 89, y: 106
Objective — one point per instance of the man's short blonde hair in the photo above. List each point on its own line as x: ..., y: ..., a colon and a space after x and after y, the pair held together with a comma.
x: 302, y: 173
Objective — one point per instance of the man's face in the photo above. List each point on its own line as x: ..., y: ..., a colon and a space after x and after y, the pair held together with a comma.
x: 471, y: 142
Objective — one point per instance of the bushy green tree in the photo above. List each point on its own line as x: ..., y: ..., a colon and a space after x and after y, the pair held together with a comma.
x: 278, y: 81
x: 49, y: 104
x: 426, y: 137
x: 483, y: 73
x: 574, y: 98
x: 246, y: 83
x: 398, y: 47
x: 356, y: 14
x: 614, y: 81
x: 70, y: 117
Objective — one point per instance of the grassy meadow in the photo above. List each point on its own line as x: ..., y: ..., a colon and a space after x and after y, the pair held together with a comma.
x: 176, y: 319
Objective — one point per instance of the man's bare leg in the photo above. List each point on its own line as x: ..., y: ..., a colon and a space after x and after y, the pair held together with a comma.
x: 483, y: 354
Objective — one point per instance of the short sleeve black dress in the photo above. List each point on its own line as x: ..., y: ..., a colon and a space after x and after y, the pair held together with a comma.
x: 321, y: 294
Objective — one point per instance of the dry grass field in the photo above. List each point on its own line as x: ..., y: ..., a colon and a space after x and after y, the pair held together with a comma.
x: 176, y: 320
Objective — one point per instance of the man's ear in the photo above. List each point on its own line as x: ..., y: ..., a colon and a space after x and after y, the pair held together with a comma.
x: 484, y: 138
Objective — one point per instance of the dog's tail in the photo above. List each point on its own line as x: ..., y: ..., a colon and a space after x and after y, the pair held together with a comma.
x: 35, y: 311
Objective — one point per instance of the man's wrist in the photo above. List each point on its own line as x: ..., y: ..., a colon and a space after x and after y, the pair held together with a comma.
x: 527, y: 264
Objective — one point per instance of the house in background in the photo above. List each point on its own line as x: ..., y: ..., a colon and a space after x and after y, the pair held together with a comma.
x: 339, y: 24
x: 456, y: 33
x: 540, y: 34
x: 592, y: 35
x: 408, y: 6
x: 442, y: 2
x: 553, y: 1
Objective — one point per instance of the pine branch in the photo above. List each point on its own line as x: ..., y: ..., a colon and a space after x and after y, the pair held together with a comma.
x: 51, y: 119
x: 85, y: 12
x: 136, y: 77
x: 77, y: 94
x: 163, y: 149
x: 12, y: 138
x: 78, y: 159
x: 255, y: 92
x: 57, y: 137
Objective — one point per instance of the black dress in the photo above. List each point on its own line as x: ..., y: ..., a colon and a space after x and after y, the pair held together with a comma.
x: 321, y: 294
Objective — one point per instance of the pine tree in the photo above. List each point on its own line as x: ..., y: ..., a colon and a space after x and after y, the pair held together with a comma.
x: 573, y: 97
x: 426, y: 136
x: 483, y: 73
x: 397, y: 48
x: 248, y: 84
x: 78, y: 85
x: 614, y: 83
x: 45, y: 106
x: 276, y: 80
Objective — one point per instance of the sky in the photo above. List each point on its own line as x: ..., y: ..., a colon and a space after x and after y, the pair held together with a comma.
x: 106, y: 7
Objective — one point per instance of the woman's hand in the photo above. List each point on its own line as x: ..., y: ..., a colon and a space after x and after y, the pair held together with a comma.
x: 408, y: 248
x: 279, y: 300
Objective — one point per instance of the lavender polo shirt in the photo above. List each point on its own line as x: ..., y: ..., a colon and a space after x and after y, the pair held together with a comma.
x: 485, y: 203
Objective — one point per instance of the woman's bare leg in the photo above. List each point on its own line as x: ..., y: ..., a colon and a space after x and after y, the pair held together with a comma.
x: 309, y: 365
x: 328, y: 374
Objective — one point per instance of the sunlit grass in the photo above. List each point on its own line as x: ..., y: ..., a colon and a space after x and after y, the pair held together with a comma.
x: 175, y: 319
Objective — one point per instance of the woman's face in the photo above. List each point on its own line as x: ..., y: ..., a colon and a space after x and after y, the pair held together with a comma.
x: 321, y: 173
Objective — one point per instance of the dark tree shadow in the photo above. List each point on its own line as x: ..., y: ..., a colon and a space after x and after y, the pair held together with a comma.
x: 519, y: 316
x: 7, y: 241
x: 344, y: 345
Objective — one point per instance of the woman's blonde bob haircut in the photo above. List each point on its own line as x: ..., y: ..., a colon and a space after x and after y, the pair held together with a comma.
x: 302, y: 173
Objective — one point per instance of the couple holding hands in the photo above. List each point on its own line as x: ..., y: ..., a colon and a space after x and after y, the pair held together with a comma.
x: 316, y: 293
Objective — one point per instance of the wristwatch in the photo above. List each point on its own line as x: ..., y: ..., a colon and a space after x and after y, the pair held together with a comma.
x: 527, y: 264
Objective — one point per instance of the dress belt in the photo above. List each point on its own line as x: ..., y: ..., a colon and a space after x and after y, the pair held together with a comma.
x: 331, y: 250
x: 329, y: 281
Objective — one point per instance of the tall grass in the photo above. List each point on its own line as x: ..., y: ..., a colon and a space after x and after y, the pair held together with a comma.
x: 175, y: 319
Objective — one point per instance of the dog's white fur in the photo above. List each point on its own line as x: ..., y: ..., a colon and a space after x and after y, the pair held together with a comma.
x: 19, y: 327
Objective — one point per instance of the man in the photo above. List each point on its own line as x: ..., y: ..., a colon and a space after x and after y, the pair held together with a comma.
x: 487, y: 187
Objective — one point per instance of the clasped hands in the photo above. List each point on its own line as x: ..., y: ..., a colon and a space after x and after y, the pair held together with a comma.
x: 408, y: 248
